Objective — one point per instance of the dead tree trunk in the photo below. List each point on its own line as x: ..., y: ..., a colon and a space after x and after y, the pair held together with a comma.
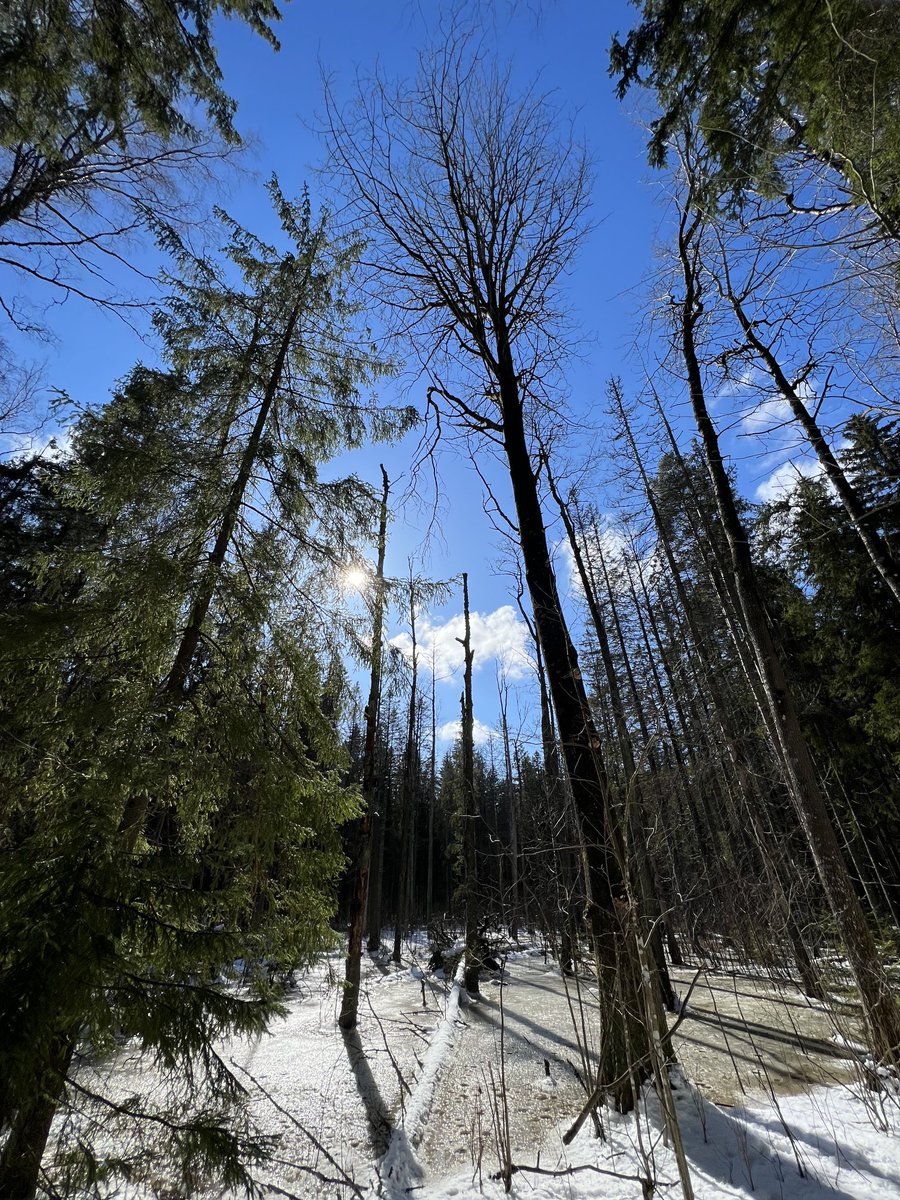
x: 469, y: 806
x: 408, y: 779
x: 363, y: 848
x: 513, y: 817
x: 473, y: 249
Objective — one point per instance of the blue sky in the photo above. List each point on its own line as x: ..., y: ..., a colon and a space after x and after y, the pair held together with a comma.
x: 279, y: 105
x: 279, y: 101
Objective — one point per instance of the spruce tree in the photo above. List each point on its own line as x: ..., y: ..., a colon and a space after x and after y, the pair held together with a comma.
x: 173, y: 785
x: 764, y: 80
x: 106, y: 109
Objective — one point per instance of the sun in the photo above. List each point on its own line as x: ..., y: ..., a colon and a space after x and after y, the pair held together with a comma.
x: 355, y: 579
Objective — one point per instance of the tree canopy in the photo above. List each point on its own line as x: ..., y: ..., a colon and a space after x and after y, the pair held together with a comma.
x: 105, y: 109
x: 769, y: 79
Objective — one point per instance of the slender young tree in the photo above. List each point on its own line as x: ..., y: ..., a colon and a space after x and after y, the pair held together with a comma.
x: 512, y: 813
x: 384, y: 789
x: 432, y: 794
x: 469, y: 804
x: 409, y: 780
x: 778, y: 708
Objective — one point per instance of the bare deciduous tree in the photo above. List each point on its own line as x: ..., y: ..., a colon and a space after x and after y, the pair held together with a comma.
x: 476, y: 205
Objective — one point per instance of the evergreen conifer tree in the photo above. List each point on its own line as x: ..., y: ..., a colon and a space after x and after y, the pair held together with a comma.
x: 763, y: 80
x: 105, y: 110
x: 173, y: 786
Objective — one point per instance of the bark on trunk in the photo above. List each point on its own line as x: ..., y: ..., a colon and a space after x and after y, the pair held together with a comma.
x: 20, y: 1160
x: 363, y: 848
x: 625, y: 1039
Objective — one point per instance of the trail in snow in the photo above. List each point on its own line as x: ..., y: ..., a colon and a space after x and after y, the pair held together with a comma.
x: 762, y: 1044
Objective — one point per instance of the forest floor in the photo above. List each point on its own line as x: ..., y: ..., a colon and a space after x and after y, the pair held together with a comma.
x: 771, y: 1102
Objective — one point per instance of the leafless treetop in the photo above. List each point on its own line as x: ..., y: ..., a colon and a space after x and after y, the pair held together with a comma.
x: 475, y: 198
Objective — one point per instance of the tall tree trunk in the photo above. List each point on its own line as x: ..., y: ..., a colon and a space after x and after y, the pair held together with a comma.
x: 408, y: 780
x: 882, y: 1014
x: 469, y: 806
x: 363, y: 839
x: 432, y: 796
x: 513, y: 820
x: 380, y: 822
x: 632, y: 803
x: 625, y: 1036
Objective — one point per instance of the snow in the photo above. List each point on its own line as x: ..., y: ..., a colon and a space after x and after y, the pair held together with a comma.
x: 399, y: 1168
x: 410, y: 1103
x: 546, y: 1086
x: 740, y: 1155
x: 758, y: 1150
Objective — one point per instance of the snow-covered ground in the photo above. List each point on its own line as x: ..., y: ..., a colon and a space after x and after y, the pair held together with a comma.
x: 755, y: 1153
x: 432, y: 1090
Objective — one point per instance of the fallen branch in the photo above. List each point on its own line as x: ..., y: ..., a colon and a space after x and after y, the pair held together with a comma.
x: 574, y: 1170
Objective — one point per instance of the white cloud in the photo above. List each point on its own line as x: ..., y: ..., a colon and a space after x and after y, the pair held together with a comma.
x: 500, y: 635
x: 481, y: 733
x: 785, y: 478
x: 772, y: 414
x: 745, y: 382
